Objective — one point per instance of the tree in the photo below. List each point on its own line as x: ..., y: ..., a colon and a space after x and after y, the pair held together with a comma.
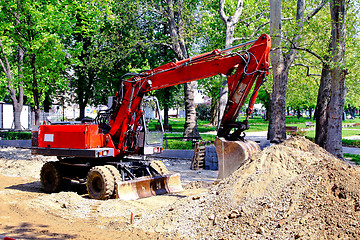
x: 281, y: 62
x: 12, y: 67
x: 230, y: 23
x: 14, y: 85
x: 322, y: 105
x: 175, y: 13
x: 210, y: 88
x: 214, y: 33
x: 337, y: 73
x: 34, y: 27
x: 87, y: 20
x: 280, y: 66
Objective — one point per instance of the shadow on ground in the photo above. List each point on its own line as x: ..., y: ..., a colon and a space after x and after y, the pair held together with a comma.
x: 32, y: 231
x: 35, y: 187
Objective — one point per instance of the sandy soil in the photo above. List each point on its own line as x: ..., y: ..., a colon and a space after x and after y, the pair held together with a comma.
x: 294, y: 190
x: 28, y: 213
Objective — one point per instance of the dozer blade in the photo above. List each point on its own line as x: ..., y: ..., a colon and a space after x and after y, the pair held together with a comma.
x: 232, y: 154
x: 148, y: 186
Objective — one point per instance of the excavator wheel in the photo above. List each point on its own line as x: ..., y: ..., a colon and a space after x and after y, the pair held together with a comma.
x: 51, y: 178
x: 117, y: 177
x: 100, y: 183
x: 160, y: 167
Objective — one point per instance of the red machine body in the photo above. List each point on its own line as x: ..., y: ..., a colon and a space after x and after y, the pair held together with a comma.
x: 82, y: 136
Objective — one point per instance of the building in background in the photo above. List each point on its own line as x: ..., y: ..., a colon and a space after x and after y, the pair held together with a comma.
x: 7, y: 116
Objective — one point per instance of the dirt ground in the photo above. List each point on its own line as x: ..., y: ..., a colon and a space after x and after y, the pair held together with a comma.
x: 28, y: 213
x: 294, y: 190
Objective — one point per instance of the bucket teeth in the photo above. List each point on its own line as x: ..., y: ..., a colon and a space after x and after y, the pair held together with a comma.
x: 148, y: 186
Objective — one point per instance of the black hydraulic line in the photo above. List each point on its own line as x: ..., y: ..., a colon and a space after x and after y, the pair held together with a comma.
x: 238, y: 46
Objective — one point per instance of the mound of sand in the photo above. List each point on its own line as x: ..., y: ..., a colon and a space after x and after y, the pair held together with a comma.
x: 292, y: 190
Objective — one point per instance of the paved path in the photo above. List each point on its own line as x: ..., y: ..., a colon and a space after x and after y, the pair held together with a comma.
x: 351, y: 150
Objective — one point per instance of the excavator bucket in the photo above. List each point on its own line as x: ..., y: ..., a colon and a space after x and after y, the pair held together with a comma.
x: 148, y: 186
x: 232, y: 154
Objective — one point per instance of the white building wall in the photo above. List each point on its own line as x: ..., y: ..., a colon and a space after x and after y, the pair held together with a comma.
x: 7, y: 116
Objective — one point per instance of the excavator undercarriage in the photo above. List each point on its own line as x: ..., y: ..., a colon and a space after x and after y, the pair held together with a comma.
x: 127, y: 180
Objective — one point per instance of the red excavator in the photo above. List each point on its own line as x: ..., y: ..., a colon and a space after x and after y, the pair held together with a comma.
x: 108, y: 153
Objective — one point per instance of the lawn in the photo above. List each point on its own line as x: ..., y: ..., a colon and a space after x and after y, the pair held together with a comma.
x: 256, y: 124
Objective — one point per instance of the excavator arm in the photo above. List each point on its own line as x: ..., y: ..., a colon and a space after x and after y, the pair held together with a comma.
x: 242, y: 69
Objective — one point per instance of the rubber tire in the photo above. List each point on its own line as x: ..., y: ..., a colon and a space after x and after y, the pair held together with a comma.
x: 160, y: 167
x: 100, y: 183
x: 117, y: 177
x: 50, y: 177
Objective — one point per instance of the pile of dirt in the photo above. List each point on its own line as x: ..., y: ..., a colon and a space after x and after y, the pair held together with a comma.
x: 292, y: 190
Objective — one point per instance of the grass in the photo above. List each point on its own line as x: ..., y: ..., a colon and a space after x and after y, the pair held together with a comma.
x: 179, y: 144
x: 353, y: 157
x: 258, y: 124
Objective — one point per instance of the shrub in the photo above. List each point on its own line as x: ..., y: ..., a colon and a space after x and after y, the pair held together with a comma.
x: 203, y: 111
x: 15, y: 135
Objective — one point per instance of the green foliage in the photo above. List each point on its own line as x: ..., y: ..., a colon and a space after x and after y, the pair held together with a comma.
x: 93, y: 43
x: 353, y: 157
x: 15, y: 135
x: 203, y: 111
x: 36, y: 28
x: 171, y: 97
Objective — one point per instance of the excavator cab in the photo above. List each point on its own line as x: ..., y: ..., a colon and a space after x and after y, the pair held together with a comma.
x: 153, y: 127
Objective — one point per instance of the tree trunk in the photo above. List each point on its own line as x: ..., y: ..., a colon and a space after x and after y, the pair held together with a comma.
x: 276, y: 131
x: 321, y: 107
x: 230, y: 23
x: 281, y: 66
x: 35, y: 90
x: 214, y: 112
x: 17, y: 97
x: 176, y: 26
x: 222, y: 99
x: 82, y: 107
x: 337, y: 73
x: 166, y: 114
x: 37, y: 116
x: 298, y: 113
x: 47, y: 103
x: 190, y: 126
x: 18, y: 101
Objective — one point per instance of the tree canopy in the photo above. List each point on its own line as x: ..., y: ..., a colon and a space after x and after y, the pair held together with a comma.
x: 82, y: 48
